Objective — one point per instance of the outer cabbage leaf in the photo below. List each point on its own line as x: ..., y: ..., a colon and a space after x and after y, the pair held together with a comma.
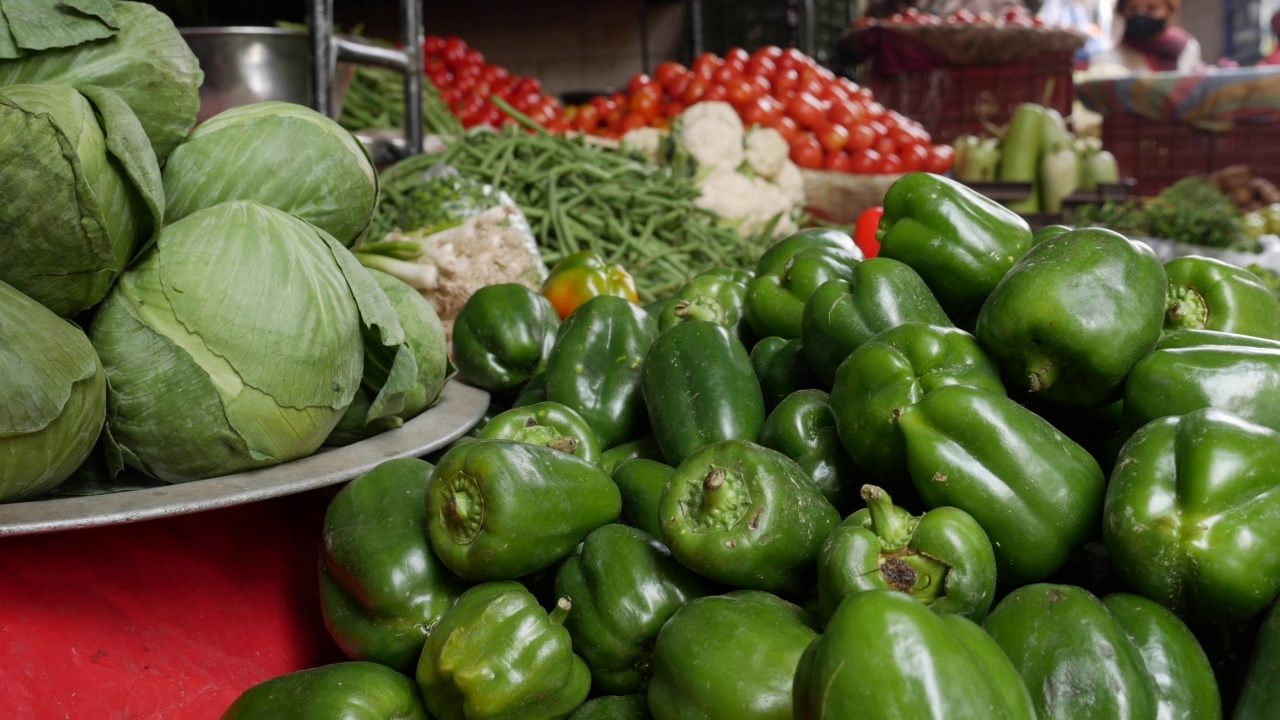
x: 235, y: 343
x: 41, y: 24
x: 147, y: 62
x: 52, y: 400
x: 77, y: 201
x: 280, y: 154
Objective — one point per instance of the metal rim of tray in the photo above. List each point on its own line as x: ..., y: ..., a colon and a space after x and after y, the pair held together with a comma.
x: 460, y: 407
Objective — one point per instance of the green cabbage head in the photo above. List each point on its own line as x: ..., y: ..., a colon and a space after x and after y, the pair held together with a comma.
x: 53, y: 396
x: 237, y: 342
x: 79, y: 192
x: 284, y: 155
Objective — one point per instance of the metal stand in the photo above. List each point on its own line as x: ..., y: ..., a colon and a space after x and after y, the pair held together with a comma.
x: 327, y: 50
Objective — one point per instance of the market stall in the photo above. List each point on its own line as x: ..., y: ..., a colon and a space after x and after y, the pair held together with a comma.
x: 734, y: 393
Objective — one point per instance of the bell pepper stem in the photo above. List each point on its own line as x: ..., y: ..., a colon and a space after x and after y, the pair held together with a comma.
x: 886, y: 522
x: 1187, y: 308
x: 563, y: 606
x: 688, y: 310
x: 1042, y: 369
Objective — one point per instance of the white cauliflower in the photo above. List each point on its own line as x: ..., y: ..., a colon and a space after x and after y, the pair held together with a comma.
x: 767, y: 152
x: 647, y: 141
x: 713, y: 135
x: 747, y: 202
x: 791, y: 182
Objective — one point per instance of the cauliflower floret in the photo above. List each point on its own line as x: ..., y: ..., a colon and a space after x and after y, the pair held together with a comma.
x: 791, y: 181
x: 713, y: 134
x: 747, y: 203
x: 767, y: 152
x: 647, y: 141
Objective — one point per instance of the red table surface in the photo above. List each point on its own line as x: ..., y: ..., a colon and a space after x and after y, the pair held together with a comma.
x: 165, y: 619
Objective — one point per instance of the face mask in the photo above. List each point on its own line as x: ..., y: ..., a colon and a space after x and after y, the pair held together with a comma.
x: 1143, y: 27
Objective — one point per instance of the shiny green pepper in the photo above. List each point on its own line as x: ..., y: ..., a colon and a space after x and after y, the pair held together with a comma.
x: 782, y: 369
x: 502, y: 336
x: 350, y: 690
x: 803, y: 427
x: 776, y: 298
x: 1260, y: 697
x: 548, y: 424
x: 713, y: 297
x: 1244, y: 381
x: 1209, y: 294
x: 614, y: 707
x: 640, y: 482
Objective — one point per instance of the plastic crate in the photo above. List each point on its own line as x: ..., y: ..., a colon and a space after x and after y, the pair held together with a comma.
x: 954, y: 101
x: 1159, y: 154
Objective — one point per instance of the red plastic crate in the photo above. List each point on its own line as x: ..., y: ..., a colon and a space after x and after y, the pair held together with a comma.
x: 951, y: 102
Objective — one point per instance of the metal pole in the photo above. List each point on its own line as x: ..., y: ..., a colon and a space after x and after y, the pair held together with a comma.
x: 320, y: 29
x: 411, y: 21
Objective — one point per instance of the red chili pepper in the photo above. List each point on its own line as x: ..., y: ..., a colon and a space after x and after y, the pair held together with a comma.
x: 864, y: 233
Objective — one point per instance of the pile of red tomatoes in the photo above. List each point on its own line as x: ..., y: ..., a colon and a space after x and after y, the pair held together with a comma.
x: 466, y: 83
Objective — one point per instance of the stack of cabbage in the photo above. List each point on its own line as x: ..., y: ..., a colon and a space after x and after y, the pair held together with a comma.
x: 231, y: 328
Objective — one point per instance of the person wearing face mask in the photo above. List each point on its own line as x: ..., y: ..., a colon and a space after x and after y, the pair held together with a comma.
x: 1149, y: 40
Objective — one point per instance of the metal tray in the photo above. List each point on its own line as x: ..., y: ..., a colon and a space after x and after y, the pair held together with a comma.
x: 460, y: 408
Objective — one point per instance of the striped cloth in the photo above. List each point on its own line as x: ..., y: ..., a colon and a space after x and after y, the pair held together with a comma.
x: 1214, y: 100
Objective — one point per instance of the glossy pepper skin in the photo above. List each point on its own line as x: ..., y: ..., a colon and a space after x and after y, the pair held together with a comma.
x: 1209, y: 294
x: 1197, y: 338
x: 1192, y: 516
x: 780, y: 252
x: 884, y: 655
x: 500, y: 509
x: 645, y: 447
x: 699, y: 388
x: 960, y: 242
x: 1244, y: 381
x: 715, y: 297
x: 533, y: 392
x: 1120, y: 657
x: 624, y: 585
x: 1260, y: 696
x: 583, y: 275
x: 893, y: 370
x: 840, y: 316
x: 729, y: 657
x: 1073, y: 316
x: 594, y: 367
x: 1037, y: 494
x: 775, y: 298
x: 803, y: 427
x: 498, y: 656
x: 548, y: 424
x: 502, y: 337
x: 782, y: 369
x: 746, y: 516
x: 349, y: 690
x: 942, y: 558
x: 641, y: 482
x: 382, y: 588
x: 614, y: 707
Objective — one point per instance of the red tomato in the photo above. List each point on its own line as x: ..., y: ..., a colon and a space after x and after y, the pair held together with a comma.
x: 806, y: 152
x: 784, y: 82
x: 454, y: 50
x: 473, y: 57
x: 901, y: 137
x: 740, y: 91
x: 773, y: 52
x: 694, y: 92
x: 524, y: 102
x: 705, y: 65
x: 633, y: 121
x: 675, y: 86
x: 636, y: 82
x: 672, y: 109
x: 838, y: 161
x: 864, y: 232
x: 798, y: 58
x: 914, y: 157
x: 724, y: 74
x: 434, y: 65
x: 761, y: 84
x: 806, y: 110
x: 557, y: 126
x: 602, y: 104
x: 811, y: 85
x: 451, y: 96
x: 493, y: 74
x: 737, y: 59
x: 760, y: 65
x: 432, y: 45
x: 941, y: 158
x: 890, y: 164
x: 764, y: 110
x: 715, y: 93
x: 844, y: 113
x: 587, y: 119
x: 787, y: 128
x: 874, y: 109
x: 441, y: 78
x: 885, y: 145
x: 667, y: 71
x: 647, y: 103
x: 865, y: 162
x: 833, y: 137
x: 528, y: 85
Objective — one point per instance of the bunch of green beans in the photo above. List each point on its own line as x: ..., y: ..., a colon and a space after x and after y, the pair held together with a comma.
x: 580, y: 196
x: 375, y: 101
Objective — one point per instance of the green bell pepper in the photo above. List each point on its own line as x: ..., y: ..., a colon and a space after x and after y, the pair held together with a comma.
x: 840, y: 316
x: 382, y: 588
x: 614, y: 707
x: 641, y: 482
x: 1191, y: 515
x: 645, y: 447
x: 803, y: 427
x: 942, y: 558
x: 893, y: 370
x: 775, y: 298
x: 1260, y: 696
x: 1197, y: 338
x: 549, y: 424
x: 1209, y: 294
x: 782, y: 251
x: 884, y: 655
x: 729, y: 657
x: 782, y: 369
x: 498, y: 656
x: 594, y: 367
x: 533, y: 392
x: 1048, y: 231
x: 624, y: 586
x: 502, y: 336
x: 349, y: 690
x: 1073, y: 316
x: 715, y: 298
x: 699, y: 388
x: 960, y: 242
x: 1244, y: 381
x: 1037, y: 494
x: 1120, y: 657
x: 501, y: 509
x: 746, y: 516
